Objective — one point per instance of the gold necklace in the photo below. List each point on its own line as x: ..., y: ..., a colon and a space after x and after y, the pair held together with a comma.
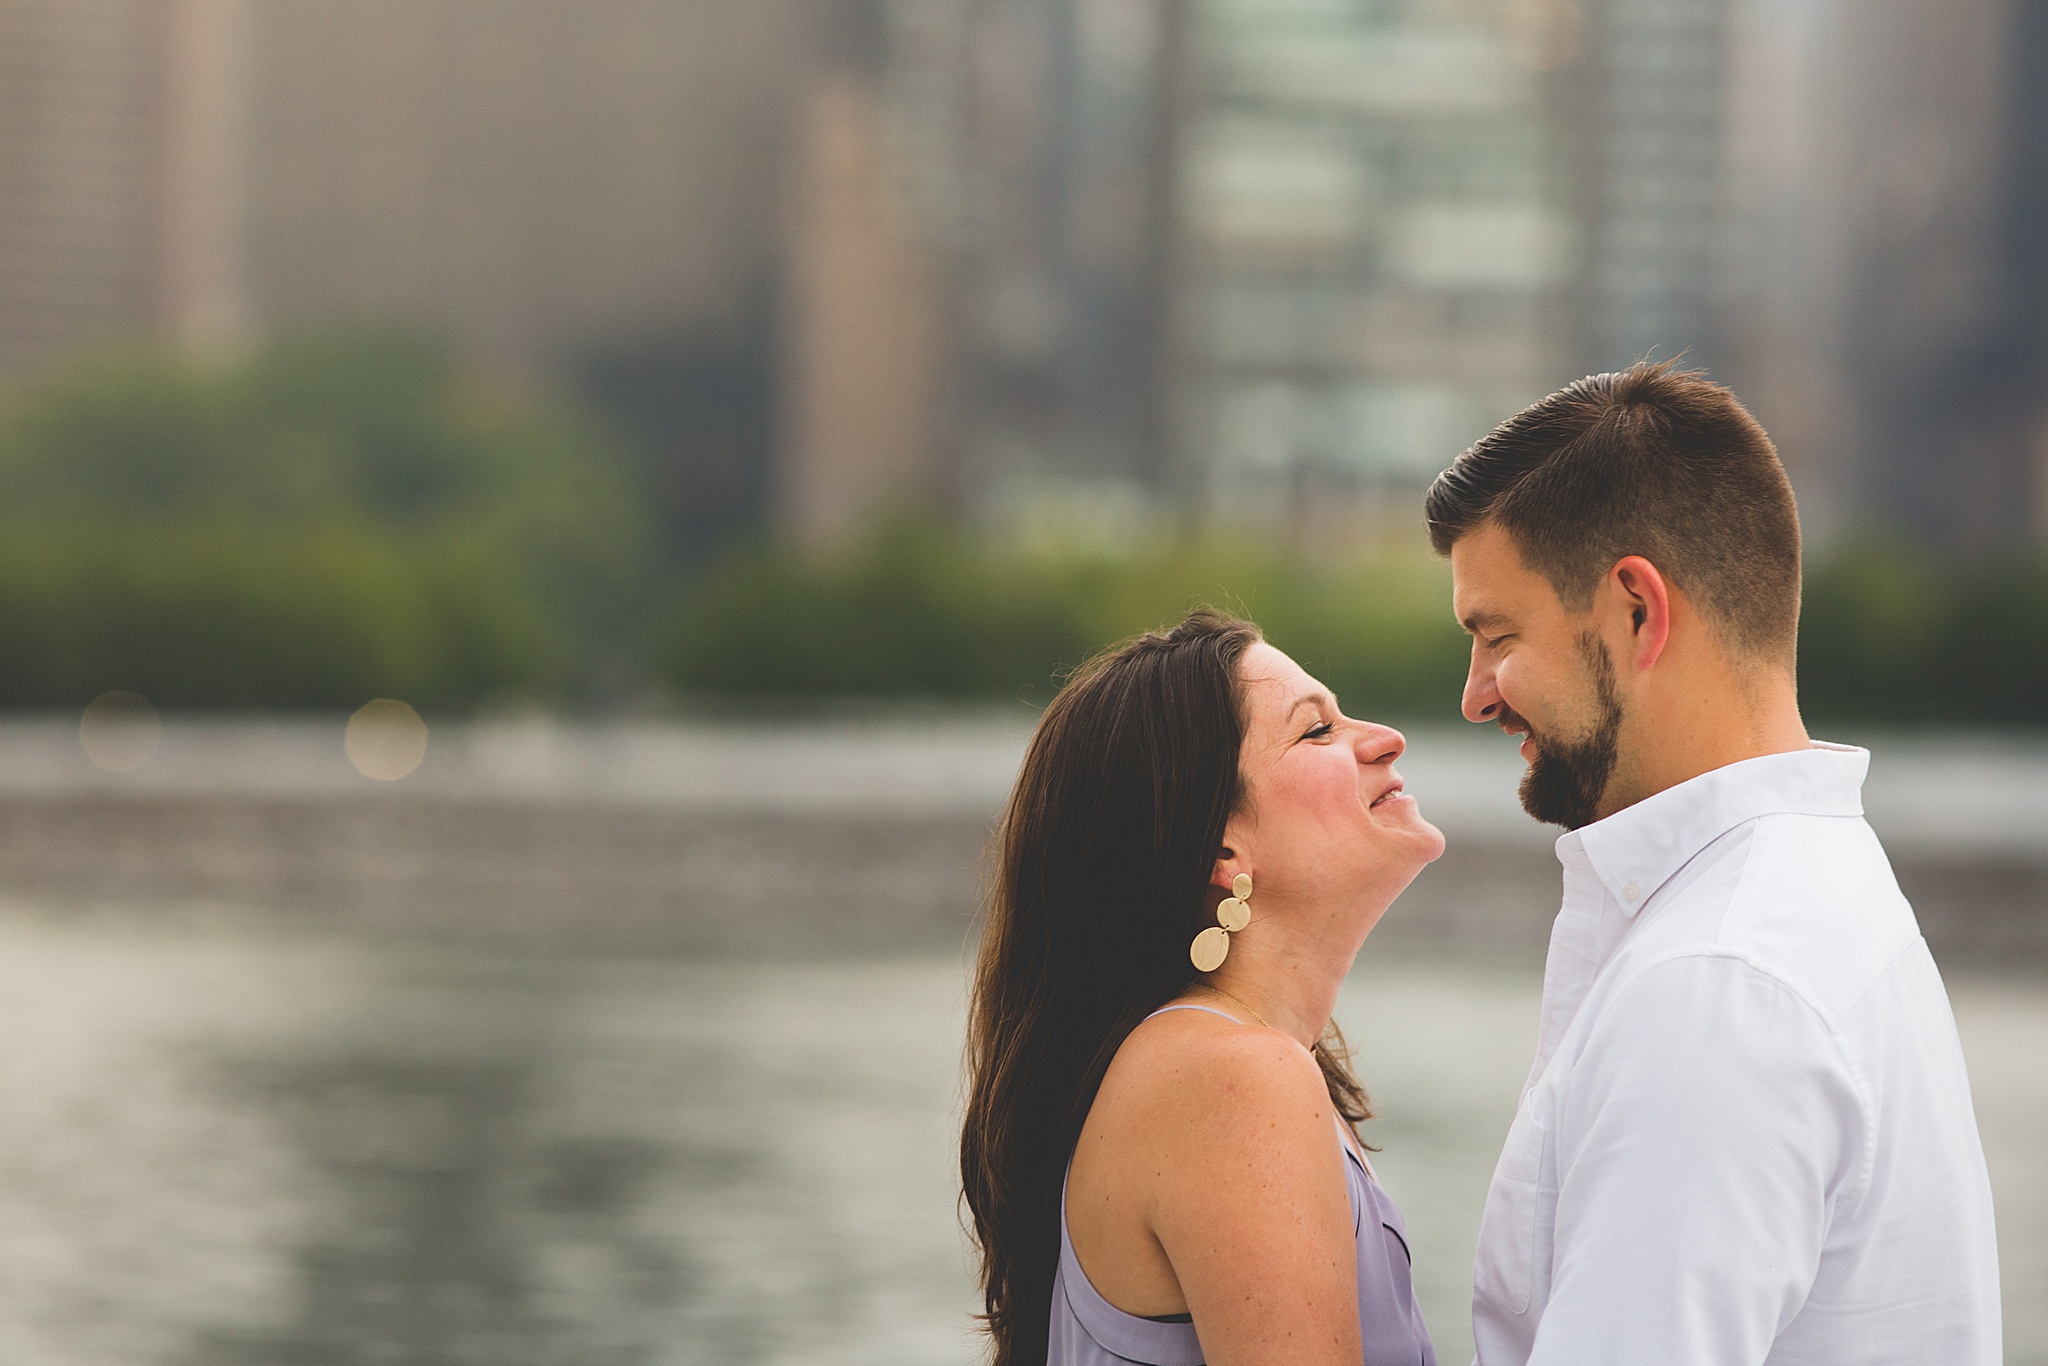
x: 1210, y: 986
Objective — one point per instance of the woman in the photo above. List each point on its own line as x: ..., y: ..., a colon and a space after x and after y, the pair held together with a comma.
x: 1160, y: 1151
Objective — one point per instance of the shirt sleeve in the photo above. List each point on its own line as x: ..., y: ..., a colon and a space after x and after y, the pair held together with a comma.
x: 1711, y: 1123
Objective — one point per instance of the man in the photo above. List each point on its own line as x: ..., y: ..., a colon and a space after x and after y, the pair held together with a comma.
x: 1747, y: 1137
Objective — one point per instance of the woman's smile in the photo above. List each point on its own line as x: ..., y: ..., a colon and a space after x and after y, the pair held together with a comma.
x: 1393, y: 794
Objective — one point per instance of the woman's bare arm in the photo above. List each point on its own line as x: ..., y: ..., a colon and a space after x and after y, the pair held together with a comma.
x: 1251, y: 1206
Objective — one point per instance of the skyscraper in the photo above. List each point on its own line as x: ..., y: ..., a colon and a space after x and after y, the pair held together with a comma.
x: 531, y: 175
x: 82, y: 88
x: 1892, y: 208
x: 868, y: 283
x: 528, y: 174
x: 1379, y: 241
x: 1651, y: 93
x: 1069, y: 221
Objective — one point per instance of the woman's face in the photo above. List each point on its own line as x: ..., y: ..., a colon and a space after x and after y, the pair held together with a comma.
x: 1325, y: 821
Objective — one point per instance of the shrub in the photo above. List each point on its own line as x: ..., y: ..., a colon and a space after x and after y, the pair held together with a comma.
x: 921, y: 610
x: 1886, y: 637
x: 338, y: 517
x: 1889, y: 636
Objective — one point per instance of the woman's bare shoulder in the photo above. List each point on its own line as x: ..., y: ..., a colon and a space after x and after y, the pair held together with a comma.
x: 1200, y: 1077
x: 1234, y: 1171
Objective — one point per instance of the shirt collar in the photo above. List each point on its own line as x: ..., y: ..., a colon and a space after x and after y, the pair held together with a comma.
x: 1636, y: 850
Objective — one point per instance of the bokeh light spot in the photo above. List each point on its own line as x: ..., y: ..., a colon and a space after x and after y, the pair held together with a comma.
x: 385, y: 740
x: 120, y: 731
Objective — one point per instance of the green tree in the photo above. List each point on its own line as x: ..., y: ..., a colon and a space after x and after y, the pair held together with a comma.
x: 337, y: 516
x: 922, y: 609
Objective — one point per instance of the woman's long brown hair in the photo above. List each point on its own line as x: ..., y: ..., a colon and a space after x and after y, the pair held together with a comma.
x: 1102, y: 867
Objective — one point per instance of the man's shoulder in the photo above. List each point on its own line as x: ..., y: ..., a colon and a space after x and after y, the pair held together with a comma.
x: 1809, y: 900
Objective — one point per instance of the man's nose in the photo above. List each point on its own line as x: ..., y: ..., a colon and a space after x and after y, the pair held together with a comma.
x: 1482, y: 700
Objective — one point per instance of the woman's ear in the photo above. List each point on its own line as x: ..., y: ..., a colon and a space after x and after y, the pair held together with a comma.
x: 1226, y: 868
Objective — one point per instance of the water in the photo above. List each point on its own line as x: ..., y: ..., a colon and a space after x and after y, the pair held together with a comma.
x: 227, y: 1138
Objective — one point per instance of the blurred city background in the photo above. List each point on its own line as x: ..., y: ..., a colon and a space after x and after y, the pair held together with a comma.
x: 532, y: 532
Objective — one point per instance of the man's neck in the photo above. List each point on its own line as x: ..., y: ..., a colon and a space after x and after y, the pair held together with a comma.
x: 1690, y: 732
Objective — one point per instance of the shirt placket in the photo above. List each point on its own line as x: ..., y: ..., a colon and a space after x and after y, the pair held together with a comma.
x: 1584, y: 937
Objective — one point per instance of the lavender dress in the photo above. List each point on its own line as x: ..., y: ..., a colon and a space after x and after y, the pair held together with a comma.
x: 1088, y: 1330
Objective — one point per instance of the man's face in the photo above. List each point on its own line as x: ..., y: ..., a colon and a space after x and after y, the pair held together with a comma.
x: 1541, y: 672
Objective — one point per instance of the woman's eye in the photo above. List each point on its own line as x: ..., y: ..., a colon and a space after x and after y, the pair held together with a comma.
x: 1319, y: 730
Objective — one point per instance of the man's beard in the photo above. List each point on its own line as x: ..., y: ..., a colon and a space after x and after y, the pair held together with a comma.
x: 1567, y: 778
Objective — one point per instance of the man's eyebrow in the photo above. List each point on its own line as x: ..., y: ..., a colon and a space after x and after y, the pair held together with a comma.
x: 1478, y: 621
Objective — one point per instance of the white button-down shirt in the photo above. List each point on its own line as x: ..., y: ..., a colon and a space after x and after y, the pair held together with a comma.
x: 1748, y: 1136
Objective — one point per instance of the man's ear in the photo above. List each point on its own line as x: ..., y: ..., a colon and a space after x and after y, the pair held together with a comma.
x: 1648, y: 598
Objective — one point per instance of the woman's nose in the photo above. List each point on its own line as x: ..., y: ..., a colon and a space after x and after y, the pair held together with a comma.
x: 1378, y: 744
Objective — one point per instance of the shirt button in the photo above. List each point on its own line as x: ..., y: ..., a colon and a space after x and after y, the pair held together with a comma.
x: 1631, y: 892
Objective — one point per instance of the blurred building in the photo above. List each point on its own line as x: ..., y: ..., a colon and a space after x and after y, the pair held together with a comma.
x: 589, y: 188
x: 729, y: 227
x: 1280, y: 260
x: 1379, y: 241
x: 870, y: 272
x: 1648, y: 135
x: 529, y: 172
x: 82, y: 87
x: 1272, y: 260
x: 1891, y: 216
x: 585, y: 188
x: 1068, y: 224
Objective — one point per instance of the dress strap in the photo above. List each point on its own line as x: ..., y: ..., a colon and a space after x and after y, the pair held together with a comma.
x: 1207, y: 1009
x: 1349, y: 1140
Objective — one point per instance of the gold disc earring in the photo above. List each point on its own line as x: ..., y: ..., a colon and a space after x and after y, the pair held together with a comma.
x: 1233, y: 913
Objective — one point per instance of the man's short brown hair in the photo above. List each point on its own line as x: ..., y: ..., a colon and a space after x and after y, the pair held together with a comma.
x: 1653, y: 461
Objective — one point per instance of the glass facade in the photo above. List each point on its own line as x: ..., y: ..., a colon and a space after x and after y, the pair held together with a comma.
x: 1065, y: 296
x: 1375, y: 249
